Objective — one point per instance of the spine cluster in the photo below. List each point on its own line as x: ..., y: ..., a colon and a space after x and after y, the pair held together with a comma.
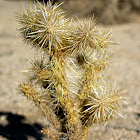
x: 68, y: 82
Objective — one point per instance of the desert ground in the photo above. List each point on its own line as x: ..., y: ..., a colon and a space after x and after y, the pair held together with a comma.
x: 20, y: 120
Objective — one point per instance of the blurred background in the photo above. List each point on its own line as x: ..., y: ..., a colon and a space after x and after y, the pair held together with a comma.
x: 106, y: 11
x: 19, y: 119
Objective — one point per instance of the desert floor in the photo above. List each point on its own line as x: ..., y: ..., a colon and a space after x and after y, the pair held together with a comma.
x: 18, y: 117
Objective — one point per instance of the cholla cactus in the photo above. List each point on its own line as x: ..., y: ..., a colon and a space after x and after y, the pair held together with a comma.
x: 68, y: 83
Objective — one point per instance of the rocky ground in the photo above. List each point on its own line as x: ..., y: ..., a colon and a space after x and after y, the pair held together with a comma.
x: 19, y: 120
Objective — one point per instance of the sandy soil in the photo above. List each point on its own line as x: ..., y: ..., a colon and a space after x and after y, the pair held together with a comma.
x: 19, y: 120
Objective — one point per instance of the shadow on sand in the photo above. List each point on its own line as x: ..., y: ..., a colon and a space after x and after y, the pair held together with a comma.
x: 17, y: 129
